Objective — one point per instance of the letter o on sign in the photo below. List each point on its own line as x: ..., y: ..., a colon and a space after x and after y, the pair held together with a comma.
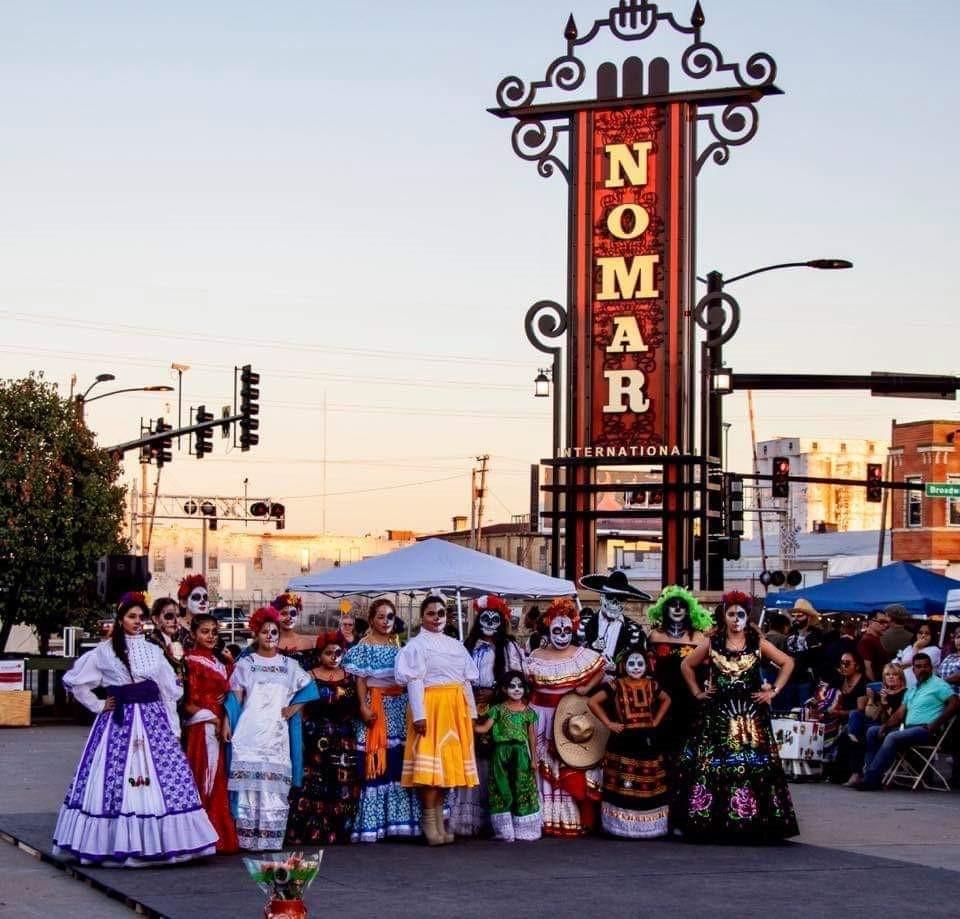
x: 641, y: 220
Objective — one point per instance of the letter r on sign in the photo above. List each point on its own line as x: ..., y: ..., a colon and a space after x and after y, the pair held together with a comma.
x: 629, y: 384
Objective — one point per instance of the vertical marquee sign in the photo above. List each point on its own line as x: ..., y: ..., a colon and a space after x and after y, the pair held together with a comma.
x: 631, y: 164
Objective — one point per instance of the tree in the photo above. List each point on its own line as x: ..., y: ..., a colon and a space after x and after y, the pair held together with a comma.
x: 60, y: 510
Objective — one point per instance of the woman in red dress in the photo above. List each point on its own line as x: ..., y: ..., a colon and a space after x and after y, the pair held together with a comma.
x: 207, y: 682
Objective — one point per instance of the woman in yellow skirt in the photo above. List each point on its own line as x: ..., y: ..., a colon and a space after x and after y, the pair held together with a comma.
x: 437, y: 671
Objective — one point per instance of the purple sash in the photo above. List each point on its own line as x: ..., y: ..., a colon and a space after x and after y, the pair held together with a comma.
x: 132, y: 694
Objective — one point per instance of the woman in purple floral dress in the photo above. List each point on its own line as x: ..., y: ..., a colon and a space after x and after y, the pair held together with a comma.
x: 733, y: 785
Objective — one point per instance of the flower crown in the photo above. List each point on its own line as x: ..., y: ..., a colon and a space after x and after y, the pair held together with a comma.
x: 491, y: 602
x: 285, y: 600
x: 188, y: 583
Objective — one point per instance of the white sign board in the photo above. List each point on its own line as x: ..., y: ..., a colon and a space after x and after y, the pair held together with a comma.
x: 11, y: 676
x: 233, y: 576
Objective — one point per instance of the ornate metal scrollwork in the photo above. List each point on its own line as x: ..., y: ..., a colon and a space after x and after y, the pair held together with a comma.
x: 536, y: 139
x: 719, y: 315
x: 545, y: 320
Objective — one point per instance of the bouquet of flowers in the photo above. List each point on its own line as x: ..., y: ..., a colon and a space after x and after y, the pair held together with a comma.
x: 284, y: 877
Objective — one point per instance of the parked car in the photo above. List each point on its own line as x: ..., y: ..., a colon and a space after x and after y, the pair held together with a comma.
x: 237, y: 617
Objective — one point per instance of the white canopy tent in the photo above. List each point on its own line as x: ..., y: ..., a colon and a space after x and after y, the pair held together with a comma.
x: 434, y: 564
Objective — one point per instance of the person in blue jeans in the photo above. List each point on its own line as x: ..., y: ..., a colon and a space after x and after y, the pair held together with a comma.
x: 926, y: 708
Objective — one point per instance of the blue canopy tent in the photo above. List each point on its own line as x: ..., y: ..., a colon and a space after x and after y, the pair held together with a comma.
x: 922, y: 592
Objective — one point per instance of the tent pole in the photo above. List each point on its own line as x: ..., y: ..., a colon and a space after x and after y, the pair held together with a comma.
x: 459, y: 615
x: 943, y: 628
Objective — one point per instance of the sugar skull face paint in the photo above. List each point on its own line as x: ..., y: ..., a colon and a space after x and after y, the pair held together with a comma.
x: 268, y: 636
x: 736, y: 618
x: 561, y: 633
x: 635, y: 666
x: 677, y: 610
x: 435, y: 617
x: 611, y: 607
x: 515, y: 689
x: 383, y: 619
x: 331, y: 656
x: 489, y: 622
x: 198, y: 601
x: 288, y: 617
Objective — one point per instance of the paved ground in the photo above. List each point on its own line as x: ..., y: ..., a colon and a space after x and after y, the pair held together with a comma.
x: 834, y: 868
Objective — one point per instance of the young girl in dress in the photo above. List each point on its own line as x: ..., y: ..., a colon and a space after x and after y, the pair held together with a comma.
x: 132, y: 800
x: 265, y: 684
x: 635, y: 802
x: 512, y: 783
x: 205, y: 721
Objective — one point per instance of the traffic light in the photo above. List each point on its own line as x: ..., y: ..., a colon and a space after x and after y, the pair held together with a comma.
x: 734, y: 494
x: 279, y: 513
x: 781, y: 477
x: 249, y: 408
x: 163, y: 449
x: 204, y: 436
x: 875, y: 482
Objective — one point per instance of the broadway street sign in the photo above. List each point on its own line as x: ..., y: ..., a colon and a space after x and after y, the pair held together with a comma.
x: 942, y: 489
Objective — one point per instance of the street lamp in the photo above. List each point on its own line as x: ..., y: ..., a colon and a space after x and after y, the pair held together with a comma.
x: 82, y: 400
x: 541, y: 383
x: 719, y: 315
x: 181, y: 369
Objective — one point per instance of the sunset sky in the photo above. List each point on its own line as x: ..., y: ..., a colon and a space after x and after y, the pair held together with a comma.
x: 316, y: 188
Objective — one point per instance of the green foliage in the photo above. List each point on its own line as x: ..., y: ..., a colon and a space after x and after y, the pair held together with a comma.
x: 60, y: 509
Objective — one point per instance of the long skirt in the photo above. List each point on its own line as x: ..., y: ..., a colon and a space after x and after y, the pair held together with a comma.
x: 385, y: 808
x: 443, y: 757
x: 133, y: 800
x: 635, y: 792
x: 514, y: 799
x: 569, y: 797
x: 260, y: 769
x: 733, y: 784
x: 205, y: 754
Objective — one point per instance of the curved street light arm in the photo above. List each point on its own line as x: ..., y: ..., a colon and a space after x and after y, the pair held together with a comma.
x: 114, y: 392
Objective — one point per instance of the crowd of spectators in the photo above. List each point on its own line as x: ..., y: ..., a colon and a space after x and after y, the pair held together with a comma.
x: 878, y: 686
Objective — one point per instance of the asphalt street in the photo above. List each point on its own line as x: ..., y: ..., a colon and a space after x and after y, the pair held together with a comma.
x: 859, y: 854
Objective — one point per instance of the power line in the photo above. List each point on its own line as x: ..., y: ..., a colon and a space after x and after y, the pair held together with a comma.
x: 283, y: 373
x: 115, y: 328
x: 361, y: 491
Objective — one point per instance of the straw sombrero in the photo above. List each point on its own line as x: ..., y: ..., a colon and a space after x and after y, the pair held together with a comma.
x: 578, y: 735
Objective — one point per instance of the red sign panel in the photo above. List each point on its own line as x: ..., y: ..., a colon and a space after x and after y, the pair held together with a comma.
x: 630, y: 250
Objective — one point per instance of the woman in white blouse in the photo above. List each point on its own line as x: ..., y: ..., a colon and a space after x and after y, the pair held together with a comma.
x: 133, y: 800
x: 438, y: 672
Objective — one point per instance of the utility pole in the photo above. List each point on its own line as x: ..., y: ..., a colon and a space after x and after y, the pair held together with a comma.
x: 473, y: 509
x: 481, y: 493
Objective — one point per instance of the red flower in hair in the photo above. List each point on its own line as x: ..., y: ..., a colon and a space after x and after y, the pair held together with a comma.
x: 262, y: 616
x: 562, y: 606
x: 737, y: 598
x: 492, y: 602
x: 188, y: 583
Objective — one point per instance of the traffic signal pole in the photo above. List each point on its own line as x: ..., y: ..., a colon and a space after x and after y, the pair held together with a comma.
x: 157, y: 437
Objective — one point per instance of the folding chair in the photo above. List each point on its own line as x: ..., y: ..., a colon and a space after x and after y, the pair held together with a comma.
x: 916, y: 763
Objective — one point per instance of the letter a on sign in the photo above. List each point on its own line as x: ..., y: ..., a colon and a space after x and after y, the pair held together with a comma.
x: 626, y: 336
x: 627, y: 383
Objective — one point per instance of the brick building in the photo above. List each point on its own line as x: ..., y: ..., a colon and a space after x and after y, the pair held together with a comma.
x: 926, y: 531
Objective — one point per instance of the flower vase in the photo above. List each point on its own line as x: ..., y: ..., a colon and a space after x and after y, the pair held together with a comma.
x: 284, y: 909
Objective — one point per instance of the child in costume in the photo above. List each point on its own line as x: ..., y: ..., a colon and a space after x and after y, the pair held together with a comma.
x: 207, y: 683
x: 265, y: 683
x: 635, y: 802
x: 512, y: 782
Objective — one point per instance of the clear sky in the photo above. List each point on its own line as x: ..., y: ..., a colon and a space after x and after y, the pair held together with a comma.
x: 316, y: 188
